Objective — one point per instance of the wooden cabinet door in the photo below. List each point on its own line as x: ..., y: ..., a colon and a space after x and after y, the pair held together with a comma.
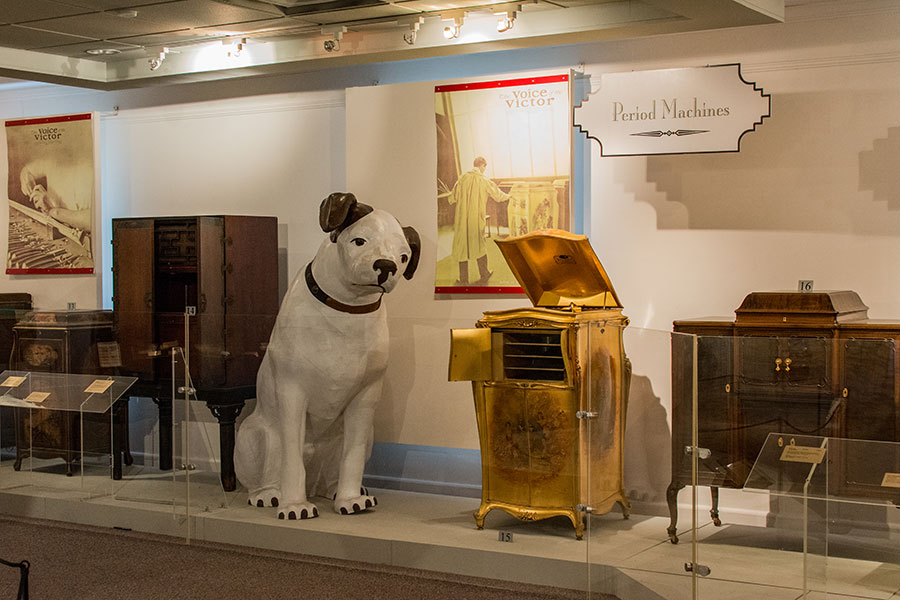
x: 715, y: 413
x: 756, y: 367
x: 251, y: 293
x: 208, y: 339
x: 809, y: 369
x: 868, y: 372
x: 133, y: 299
x: 784, y: 365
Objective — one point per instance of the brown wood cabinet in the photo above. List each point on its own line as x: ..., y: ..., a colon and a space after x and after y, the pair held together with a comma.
x: 67, y: 342
x: 226, y: 268
x: 790, y: 362
x: 12, y: 307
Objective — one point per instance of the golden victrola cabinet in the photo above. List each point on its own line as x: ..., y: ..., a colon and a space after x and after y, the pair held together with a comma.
x: 550, y: 385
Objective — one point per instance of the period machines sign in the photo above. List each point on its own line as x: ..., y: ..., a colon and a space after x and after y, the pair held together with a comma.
x: 673, y: 111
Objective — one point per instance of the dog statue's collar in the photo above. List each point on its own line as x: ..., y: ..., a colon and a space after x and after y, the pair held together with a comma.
x: 327, y: 300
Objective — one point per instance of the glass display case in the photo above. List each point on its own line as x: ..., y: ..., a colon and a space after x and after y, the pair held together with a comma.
x: 429, y: 491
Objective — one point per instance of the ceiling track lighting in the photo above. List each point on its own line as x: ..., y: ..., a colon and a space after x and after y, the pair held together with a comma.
x: 157, y: 61
x: 337, y: 34
x: 506, y: 21
x: 451, y: 32
x: 234, y: 52
x: 410, y: 36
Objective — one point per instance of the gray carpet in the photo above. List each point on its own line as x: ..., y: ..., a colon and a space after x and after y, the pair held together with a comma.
x: 75, y: 562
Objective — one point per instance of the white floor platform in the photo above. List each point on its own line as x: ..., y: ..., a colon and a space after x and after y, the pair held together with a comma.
x: 632, y: 559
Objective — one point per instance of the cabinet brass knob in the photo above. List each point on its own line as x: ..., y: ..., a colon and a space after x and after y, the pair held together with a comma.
x: 777, y: 364
x: 845, y: 392
x: 727, y: 388
x: 787, y: 364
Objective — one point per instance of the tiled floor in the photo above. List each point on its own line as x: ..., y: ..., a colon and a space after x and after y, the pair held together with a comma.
x: 630, y: 558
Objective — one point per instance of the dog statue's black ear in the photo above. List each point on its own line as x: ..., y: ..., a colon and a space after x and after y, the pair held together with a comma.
x: 334, y: 210
x: 415, y: 246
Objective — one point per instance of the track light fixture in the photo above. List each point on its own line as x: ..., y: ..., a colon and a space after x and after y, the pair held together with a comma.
x: 506, y: 21
x: 157, y: 61
x: 234, y: 51
x: 410, y: 36
x: 452, y: 31
x: 337, y: 34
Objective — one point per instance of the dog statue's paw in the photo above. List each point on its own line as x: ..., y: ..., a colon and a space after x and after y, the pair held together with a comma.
x: 357, y: 504
x: 303, y: 510
x: 267, y: 497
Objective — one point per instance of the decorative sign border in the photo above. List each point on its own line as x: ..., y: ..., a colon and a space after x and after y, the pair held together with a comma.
x: 673, y: 111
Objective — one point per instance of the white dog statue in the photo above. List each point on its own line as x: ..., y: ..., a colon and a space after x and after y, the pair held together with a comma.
x: 320, y: 379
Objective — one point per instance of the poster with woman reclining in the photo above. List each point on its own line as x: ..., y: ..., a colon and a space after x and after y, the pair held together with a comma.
x: 503, y: 169
x: 50, y: 190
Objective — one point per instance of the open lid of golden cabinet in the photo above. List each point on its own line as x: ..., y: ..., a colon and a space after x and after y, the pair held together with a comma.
x: 558, y: 269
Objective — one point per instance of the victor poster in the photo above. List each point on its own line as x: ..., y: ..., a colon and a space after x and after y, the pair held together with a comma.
x: 50, y: 189
x: 503, y: 169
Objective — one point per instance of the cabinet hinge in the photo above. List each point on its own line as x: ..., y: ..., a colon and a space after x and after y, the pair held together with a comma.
x: 702, y: 453
x: 701, y: 570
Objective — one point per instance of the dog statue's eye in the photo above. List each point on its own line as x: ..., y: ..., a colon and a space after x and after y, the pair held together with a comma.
x: 404, y: 258
x: 359, y: 241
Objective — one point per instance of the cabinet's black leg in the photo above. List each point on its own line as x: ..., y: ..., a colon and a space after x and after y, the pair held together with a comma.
x: 119, y: 436
x: 127, y: 458
x: 227, y: 414
x: 672, y: 501
x: 714, y: 509
x: 165, y: 432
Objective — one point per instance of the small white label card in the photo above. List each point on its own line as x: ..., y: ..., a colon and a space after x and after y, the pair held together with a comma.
x: 37, y: 397
x: 891, y: 480
x: 13, y: 381
x: 803, y: 454
x: 109, y: 354
x: 98, y: 386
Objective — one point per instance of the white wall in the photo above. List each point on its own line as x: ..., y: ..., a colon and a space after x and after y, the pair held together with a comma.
x: 812, y: 195
x: 274, y: 155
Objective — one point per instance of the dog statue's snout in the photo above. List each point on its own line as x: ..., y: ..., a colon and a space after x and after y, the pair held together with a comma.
x: 385, y: 269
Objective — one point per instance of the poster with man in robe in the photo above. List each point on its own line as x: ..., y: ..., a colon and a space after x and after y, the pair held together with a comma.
x: 50, y: 189
x: 503, y: 169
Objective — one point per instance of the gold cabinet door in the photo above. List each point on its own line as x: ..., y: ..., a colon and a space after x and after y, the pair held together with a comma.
x: 530, y: 453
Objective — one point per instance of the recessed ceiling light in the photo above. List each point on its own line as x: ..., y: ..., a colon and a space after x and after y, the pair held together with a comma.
x: 101, y: 51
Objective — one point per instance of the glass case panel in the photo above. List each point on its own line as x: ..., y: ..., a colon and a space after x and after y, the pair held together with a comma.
x: 770, y: 419
x: 66, y: 424
x: 628, y: 429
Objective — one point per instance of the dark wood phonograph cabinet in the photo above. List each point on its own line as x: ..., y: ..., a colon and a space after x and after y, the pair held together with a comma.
x: 550, y: 384
x: 219, y: 272
x: 808, y: 363
x: 224, y: 266
x: 65, y: 342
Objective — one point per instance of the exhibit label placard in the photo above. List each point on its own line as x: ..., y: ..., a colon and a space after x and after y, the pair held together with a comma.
x: 37, y: 397
x: 673, y: 111
x: 803, y: 454
x: 891, y: 480
x: 98, y: 386
x: 13, y: 381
